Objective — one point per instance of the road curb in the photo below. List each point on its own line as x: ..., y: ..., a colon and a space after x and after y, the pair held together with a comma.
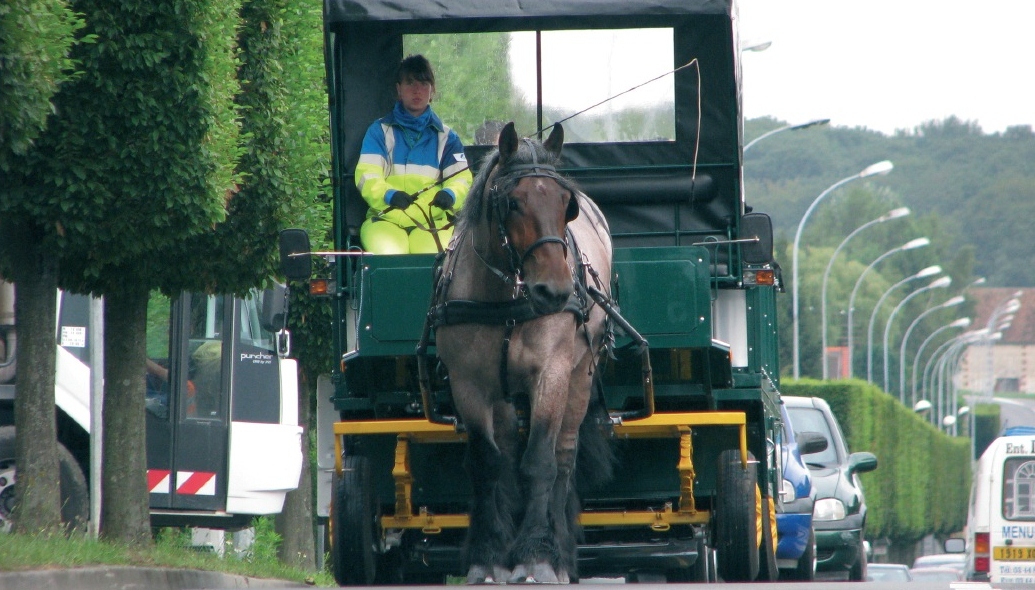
x: 132, y: 578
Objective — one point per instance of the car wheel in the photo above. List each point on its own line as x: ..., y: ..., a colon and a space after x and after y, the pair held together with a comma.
x: 858, y: 571
x: 806, y: 569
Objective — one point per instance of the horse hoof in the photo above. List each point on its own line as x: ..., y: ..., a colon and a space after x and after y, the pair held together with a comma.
x: 479, y: 574
x: 539, y: 573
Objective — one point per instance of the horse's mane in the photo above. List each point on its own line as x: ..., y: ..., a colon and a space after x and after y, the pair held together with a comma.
x: 478, y: 198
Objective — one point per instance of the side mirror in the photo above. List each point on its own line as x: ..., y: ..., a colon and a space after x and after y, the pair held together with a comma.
x: 273, y: 313
x: 955, y: 545
x: 295, y: 262
x: 862, y: 462
x: 757, y: 226
x: 810, y: 442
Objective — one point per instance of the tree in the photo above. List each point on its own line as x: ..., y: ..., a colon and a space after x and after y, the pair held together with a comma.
x: 138, y: 158
x: 35, y: 40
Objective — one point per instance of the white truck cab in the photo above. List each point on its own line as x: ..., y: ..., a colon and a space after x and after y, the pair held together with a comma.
x: 1001, y: 518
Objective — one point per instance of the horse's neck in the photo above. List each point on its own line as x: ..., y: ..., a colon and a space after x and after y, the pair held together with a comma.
x: 477, y: 254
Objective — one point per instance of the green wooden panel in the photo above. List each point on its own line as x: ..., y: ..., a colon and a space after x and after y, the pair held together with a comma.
x: 665, y: 292
x: 397, y: 291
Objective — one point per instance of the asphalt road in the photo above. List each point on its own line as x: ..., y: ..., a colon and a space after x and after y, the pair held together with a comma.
x: 128, y: 578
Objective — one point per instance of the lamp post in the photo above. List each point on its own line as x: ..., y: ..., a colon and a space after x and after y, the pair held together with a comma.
x: 910, y: 245
x: 805, y: 125
x: 935, y: 284
x: 893, y: 214
x: 905, y: 338
x: 929, y: 271
x: 882, y: 167
x: 960, y: 323
x: 934, y: 363
x: 1009, y: 307
x: 754, y: 46
x: 949, y: 364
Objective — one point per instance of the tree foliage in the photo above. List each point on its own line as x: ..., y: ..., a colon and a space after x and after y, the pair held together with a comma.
x: 35, y: 39
x: 973, y: 183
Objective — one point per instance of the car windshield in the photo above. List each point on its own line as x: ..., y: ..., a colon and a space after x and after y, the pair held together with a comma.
x: 887, y: 573
x: 812, y: 420
x: 941, y: 559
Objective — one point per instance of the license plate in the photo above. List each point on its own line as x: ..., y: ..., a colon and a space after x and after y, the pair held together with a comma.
x: 1013, y: 553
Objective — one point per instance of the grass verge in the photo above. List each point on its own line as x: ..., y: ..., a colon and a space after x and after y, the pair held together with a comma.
x: 171, y: 549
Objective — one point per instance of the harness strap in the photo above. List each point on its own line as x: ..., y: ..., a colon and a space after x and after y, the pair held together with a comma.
x: 504, y: 353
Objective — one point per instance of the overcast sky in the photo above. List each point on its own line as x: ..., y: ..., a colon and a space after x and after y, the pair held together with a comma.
x: 891, y: 64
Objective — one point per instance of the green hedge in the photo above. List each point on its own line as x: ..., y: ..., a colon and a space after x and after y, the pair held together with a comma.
x: 922, y: 481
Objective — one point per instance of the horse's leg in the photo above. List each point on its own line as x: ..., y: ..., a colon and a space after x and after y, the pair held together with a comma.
x: 565, y: 502
x: 491, y: 523
x: 535, y: 549
x: 534, y: 552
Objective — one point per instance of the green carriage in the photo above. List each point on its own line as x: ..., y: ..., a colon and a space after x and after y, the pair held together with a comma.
x: 698, y: 434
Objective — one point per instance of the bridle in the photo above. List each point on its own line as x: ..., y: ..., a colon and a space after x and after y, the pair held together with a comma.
x: 502, y: 204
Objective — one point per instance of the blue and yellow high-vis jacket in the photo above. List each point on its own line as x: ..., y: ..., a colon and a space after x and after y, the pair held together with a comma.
x: 403, y: 153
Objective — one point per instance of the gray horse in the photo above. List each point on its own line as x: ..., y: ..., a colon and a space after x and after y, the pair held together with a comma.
x: 521, y: 341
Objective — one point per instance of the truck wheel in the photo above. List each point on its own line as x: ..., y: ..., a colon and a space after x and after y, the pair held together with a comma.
x: 75, y: 502
x: 735, y: 525
x: 352, y: 520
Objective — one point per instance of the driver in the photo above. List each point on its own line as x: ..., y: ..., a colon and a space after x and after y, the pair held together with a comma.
x: 403, y: 154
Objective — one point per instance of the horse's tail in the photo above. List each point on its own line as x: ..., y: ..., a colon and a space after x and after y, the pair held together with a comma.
x: 596, y: 459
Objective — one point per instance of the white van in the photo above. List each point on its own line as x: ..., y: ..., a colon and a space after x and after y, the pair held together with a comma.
x: 1001, y: 519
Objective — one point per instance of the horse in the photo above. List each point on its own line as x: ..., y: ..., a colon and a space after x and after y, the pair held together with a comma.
x: 521, y: 342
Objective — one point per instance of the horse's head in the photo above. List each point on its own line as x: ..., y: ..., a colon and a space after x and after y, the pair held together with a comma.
x: 531, y: 205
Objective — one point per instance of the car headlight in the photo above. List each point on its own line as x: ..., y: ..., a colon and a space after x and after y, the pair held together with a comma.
x: 828, y: 509
x: 787, y: 492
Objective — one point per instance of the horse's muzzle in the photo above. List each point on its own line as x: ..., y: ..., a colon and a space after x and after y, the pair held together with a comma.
x: 548, y: 297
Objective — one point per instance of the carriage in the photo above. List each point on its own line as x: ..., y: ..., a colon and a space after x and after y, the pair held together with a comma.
x: 690, y: 381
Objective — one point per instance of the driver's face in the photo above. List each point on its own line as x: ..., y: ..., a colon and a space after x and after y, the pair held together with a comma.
x: 415, y: 96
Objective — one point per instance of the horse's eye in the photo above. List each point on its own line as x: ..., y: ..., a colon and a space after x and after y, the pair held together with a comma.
x: 513, y: 205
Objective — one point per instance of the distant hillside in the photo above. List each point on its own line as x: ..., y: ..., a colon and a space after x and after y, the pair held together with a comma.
x: 980, y: 188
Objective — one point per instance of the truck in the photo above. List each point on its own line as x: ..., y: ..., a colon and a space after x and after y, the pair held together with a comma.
x: 1000, y: 531
x: 223, y: 438
x: 649, y: 96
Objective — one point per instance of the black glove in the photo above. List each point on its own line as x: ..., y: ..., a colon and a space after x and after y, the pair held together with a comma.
x: 443, y: 200
x: 400, y: 200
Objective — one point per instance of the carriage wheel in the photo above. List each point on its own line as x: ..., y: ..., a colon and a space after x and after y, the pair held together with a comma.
x: 768, y: 570
x: 735, y: 519
x: 352, y: 520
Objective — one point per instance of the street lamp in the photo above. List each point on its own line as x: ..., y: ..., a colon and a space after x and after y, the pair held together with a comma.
x: 910, y: 245
x: 936, y: 361
x: 994, y: 320
x: 905, y: 338
x: 949, y: 364
x: 935, y: 284
x: 755, y: 46
x: 960, y: 323
x: 785, y: 128
x: 882, y: 167
x: 893, y: 214
x: 922, y: 406
x: 929, y: 271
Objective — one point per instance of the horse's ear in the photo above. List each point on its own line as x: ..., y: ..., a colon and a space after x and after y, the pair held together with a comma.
x: 555, y: 141
x: 508, y: 143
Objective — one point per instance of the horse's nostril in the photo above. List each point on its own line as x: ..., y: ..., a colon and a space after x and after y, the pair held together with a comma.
x: 549, y: 299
